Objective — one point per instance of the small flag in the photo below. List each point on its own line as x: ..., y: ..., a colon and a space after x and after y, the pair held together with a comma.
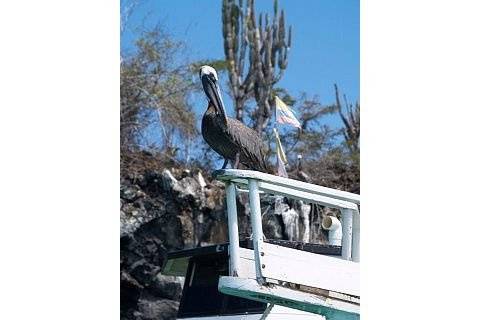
x: 281, y: 157
x: 284, y: 114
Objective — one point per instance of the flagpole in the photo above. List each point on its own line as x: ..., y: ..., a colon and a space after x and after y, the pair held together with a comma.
x: 281, y: 170
x: 275, y: 114
x: 278, y: 199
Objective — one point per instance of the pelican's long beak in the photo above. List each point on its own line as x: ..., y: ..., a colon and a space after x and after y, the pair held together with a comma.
x: 212, y: 90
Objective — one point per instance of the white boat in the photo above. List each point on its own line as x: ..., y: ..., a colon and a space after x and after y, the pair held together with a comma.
x: 273, y: 279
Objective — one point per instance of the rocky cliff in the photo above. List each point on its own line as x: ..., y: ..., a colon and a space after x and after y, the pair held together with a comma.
x: 173, y: 209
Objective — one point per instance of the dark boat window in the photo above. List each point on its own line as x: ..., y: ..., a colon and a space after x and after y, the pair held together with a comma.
x: 200, y: 293
x: 236, y: 305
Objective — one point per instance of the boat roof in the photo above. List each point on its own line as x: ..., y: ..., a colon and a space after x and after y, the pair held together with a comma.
x: 177, y: 261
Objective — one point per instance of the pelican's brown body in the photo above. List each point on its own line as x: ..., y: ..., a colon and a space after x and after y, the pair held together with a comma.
x: 229, y: 137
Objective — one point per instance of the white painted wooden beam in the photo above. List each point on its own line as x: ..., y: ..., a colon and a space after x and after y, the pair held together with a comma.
x: 256, y: 221
x: 242, y: 176
x: 234, y: 244
x: 347, y: 226
x: 356, y: 236
x: 306, y: 196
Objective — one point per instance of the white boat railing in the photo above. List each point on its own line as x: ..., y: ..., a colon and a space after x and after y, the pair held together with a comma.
x: 345, y: 273
x: 310, y: 193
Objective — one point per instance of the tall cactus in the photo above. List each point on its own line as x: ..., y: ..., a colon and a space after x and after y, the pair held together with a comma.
x: 234, y: 20
x: 267, y: 44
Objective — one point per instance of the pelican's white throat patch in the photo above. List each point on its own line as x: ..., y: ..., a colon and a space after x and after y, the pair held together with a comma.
x: 207, y: 70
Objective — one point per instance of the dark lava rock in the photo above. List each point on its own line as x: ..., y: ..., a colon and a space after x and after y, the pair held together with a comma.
x: 166, y: 211
x: 155, y: 309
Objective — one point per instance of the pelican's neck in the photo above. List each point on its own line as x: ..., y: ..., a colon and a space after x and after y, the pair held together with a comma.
x: 222, y: 112
x: 212, y: 111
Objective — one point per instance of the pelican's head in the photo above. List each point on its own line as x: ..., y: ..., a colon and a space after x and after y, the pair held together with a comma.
x: 208, y: 71
x: 209, y: 78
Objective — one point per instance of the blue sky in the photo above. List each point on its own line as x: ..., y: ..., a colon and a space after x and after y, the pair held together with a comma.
x: 325, y: 44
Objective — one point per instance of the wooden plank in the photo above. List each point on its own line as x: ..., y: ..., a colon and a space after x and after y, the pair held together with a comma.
x: 256, y: 223
x: 310, y: 269
x: 347, y: 221
x: 232, y: 220
x: 332, y: 309
x: 241, y: 176
x: 356, y: 237
x: 306, y: 196
x: 247, y: 264
x: 247, y: 270
x: 322, y: 292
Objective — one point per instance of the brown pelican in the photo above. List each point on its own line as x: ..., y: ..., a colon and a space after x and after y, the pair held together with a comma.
x: 227, y: 136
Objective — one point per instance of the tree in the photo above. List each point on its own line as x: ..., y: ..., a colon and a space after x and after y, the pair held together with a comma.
x: 314, y: 138
x: 154, y: 91
x: 351, y: 122
x: 325, y: 160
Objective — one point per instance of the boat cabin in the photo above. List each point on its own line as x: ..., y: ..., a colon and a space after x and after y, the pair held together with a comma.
x: 202, y: 268
x: 272, y: 279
